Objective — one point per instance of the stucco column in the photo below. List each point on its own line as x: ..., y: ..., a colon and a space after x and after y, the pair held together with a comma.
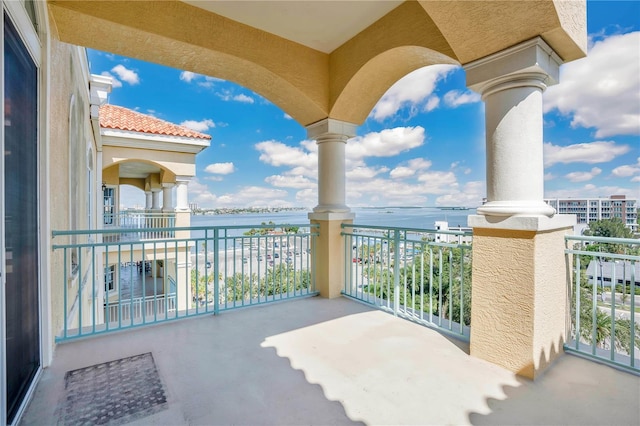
x: 167, y: 197
x: 183, y: 213
x: 328, y: 257
x: 511, y: 83
x: 148, y: 200
x: 182, y: 193
x: 155, y: 199
x: 519, y: 302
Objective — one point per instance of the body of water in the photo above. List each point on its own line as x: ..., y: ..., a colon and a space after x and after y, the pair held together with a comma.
x: 422, y: 217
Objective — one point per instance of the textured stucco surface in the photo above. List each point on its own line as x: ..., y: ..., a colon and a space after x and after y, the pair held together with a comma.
x: 475, y: 29
x: 175, y: 163
x: 66, y: 81
x: 328, y: 259
x: 502, y: 310
x: 308, y: 84
x: 519, y: 298
x: 551, y: 298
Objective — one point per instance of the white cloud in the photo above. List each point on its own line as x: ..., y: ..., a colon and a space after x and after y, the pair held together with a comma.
x: 438, y: 182
x: 410, y: 169
x: 363, y: 173
x: 590, y: 152
x: 432, y: 103
x: 254, y: 196
x: 199, y: 79
x: 636, y: 179
x: 601, y: 90
x: 220, y: 168
x: 115, y: 83
x: 287, y: 116
x: 411, y: 90
x: 471, y: 196
x: 278, y: 154
x: 627, y: 170
x: 200, y: 194
x: 387, y: 143
x: 125, y: 74
x: 290, y: 181
x: 227, y: 95
x: 455, y: 98
x: 549, y: 176
x: 243, y: 98
x: 583, y: 176
x: 199, y: 126
x: 188, y: 76
x: 402, y: 172
x: 307, y: 197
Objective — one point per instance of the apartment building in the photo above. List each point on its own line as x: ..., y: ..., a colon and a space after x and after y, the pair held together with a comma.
x: 590, y: 209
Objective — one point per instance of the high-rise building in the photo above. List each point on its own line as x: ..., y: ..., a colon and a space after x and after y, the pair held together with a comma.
x: 590, y: 209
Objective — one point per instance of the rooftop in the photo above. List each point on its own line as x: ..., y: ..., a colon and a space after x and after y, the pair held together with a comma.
x: 321, y: 361
x: 120, y: 118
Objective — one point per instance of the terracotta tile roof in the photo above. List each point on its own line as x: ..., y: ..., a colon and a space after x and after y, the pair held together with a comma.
x: 120, y: 118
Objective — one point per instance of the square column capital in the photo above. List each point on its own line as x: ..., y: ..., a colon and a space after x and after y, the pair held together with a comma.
x: 528, y: 59
x: 331, y: 126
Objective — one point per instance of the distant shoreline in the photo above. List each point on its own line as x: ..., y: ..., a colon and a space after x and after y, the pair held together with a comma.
x: 262, y: 210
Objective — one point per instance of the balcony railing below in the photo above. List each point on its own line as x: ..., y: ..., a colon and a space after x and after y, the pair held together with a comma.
x: 419, y: 274
x: 605, y: 301
x: 139, y: 225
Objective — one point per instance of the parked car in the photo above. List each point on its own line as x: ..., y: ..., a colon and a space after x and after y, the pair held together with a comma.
x: 276, y: 255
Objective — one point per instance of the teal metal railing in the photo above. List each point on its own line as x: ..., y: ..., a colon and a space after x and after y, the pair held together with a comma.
x: 114, y: 283
x: 604, y: 278
x: 420, y: 274
x: 139, y: 225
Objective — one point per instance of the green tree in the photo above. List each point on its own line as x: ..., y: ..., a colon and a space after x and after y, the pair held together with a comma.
x: 611, y: 228
x: 604, y: 323
x: 290, y: 229
x: 445, y: 291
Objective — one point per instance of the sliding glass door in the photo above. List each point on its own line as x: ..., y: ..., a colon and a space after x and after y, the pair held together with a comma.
x: 20, y: 199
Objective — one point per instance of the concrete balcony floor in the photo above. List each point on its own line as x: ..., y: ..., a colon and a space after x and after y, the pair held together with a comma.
x: 319, y: 361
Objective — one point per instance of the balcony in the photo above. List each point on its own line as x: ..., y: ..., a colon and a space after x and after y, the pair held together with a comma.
x: 320, y: 361
x: 317, y: 360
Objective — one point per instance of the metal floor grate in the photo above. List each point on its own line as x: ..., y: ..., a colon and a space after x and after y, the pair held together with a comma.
x: 115, y: 392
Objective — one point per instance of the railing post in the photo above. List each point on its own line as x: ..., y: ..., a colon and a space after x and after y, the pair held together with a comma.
x: 216, y: 272
x: 396, y: 272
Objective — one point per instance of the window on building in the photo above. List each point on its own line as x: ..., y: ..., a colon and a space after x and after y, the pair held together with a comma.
x: 109, y: 278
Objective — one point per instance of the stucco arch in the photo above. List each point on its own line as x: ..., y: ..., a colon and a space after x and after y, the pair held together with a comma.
x: 370, y: 82
x: 291, y: 75
x: 112, y: 174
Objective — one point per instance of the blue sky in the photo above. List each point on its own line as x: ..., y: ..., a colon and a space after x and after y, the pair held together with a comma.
x: 423, y: 143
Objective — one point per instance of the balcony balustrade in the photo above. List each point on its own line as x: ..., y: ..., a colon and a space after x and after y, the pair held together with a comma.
x: 117, y: 283
x: 420, y: 274
x: 605, y: 299
x: 382, y: 369
x: 138, y: 226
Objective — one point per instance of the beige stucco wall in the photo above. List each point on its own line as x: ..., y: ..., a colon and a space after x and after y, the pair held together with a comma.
x: 67, y: 80
x: 519, y: 298
x: 311, y: 85
x: 551, y: 298
x: 328, y: 258
x: 173, y: 163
